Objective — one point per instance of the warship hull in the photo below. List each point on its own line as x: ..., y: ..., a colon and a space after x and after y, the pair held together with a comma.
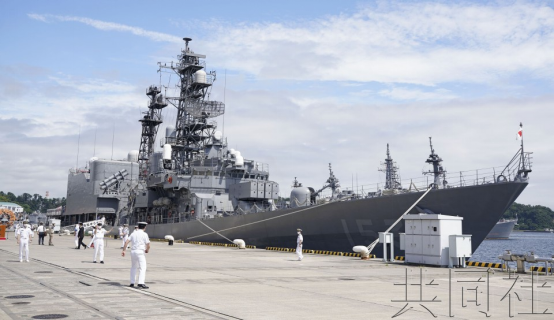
x: 502, y: 230
x: 338, y: 226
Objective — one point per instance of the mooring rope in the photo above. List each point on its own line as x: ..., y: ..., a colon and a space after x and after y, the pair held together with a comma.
x: 214, y: 231
x: 374, y: 243
x: 260, y: 221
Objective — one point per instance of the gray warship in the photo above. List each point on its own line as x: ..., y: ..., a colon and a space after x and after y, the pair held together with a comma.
x: 502, y: 229
x: 199, y: 189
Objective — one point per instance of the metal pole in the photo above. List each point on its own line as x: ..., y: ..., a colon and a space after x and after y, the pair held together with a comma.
x: 374, y: 243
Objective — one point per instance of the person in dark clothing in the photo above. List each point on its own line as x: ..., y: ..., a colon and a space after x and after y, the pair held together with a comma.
x: 41, y: 233
x: 81, y: 236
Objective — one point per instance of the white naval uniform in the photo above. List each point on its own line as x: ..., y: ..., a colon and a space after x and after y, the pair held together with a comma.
x: 125, y: 235
x: 25, y: 234
x: 299, y: 242
x: 76, y: 235
x: 99, y: 244
x: 139, y: 239
x: 121, y: 236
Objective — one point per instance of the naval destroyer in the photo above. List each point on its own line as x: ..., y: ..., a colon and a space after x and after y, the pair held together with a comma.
x: 199, y: 189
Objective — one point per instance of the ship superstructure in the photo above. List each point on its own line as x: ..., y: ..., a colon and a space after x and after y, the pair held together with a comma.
x: 197, y: 176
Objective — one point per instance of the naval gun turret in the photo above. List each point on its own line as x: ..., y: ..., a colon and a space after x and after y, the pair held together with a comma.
x: 304, y: 196
x: 300, y: 196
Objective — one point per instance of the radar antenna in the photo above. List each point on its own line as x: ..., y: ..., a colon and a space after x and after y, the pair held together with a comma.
x: 332, y: 183
x: 150, y: 124
x: 192, y: 129
x: 438, y: 170
x: 389, y: 167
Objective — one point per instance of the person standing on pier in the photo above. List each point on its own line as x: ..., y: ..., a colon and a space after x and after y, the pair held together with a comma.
x: 99, y: 242
x: 121, y: 236
x: 299, y: 242
x: 125, y: 233
x: 24, y: 236
x: 76, y: 229
x: 140, y: 244
x: 51, y: 234
x: 41, y: 233
x: 81, y: 236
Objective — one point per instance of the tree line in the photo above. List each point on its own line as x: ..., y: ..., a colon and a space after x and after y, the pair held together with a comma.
x: 530, y: 217
x: 32, y: 203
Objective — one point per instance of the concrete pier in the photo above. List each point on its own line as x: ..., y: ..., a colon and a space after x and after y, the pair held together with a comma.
x: 203, y: 282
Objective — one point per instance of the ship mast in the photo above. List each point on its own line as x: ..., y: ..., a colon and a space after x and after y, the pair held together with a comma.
x: 389, y: 167
x: 150, y: 123
x: 524, y: 162
x: 192, y: 128
x: 438, y: 170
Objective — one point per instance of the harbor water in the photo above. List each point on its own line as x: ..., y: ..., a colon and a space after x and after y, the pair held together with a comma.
x: 541, y: 243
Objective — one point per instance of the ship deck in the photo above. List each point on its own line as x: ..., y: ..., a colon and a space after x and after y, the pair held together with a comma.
x: 202, y: 282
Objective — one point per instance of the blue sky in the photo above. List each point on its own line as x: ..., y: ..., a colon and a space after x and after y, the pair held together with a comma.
x: 307, y: 83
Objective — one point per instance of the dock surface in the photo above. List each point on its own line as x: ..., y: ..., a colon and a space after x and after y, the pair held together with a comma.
x: 203, y: 282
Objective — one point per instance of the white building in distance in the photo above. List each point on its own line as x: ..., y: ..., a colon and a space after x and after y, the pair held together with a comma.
x: 13, y: 207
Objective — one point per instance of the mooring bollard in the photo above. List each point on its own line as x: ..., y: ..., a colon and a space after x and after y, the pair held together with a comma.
x: 170, y: 239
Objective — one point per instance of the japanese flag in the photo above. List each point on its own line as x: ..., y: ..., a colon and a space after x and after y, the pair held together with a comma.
x: 520, y: 133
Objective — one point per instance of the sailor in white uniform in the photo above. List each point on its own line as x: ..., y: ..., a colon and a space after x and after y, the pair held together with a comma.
x: 299, y: 242
x: 98, y: 239
x: 24, y: 236
x: 121, y: 236
x: 76, y: 235
x: 125, y: 233
x: 140, y: 245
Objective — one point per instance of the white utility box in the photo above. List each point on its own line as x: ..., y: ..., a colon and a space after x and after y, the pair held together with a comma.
x: 385, y: 237
x: 402, y: 241
x: 427, y: 238
x: 460, y: 249
x: 460, y: 246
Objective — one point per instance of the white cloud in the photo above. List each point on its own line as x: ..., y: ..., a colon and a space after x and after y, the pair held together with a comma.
x: 418, y: 43
x: 62, y: 103
x: 109, y: 26
x: 416, y: 95
x: 97, y: 86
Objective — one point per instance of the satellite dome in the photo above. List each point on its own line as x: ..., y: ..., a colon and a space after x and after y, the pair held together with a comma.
x: 218, y: 135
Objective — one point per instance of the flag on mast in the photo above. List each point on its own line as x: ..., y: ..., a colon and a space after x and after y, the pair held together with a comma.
x: 520, y: 132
